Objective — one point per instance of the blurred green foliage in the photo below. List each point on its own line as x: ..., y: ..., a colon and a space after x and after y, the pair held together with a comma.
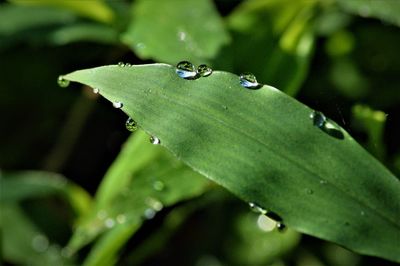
x: 340, y: 57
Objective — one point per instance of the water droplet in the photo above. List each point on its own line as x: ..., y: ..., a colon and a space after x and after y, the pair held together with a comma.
x: 121, y: 64
x: 109, y: 223
x: 158, y: 185
x: 62, y: 82
x: 118, y: 105
x: 249, y: 81
x: 362, y: 213
x: 256, y: 208
x: 96, y: 90
x: 40, y: 243
x: 149, y: 213
x: 318, y: 119
x: 186, y: 70
x: 323, y: 182
x: 155, y: 204
x: 154, y: 140
x: 280, y: 226
x: 121, y: 218
x: 130, y: 124
x: 128, y: 65
x: 309, y: 191
x: 102, y: 214
x: 203, y: 70
x: 66, y: 252
x: 265, y: 223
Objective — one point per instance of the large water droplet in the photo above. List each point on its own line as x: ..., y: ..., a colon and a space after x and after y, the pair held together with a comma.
x: 203, y: 70
x: 118, y: 105
x: 155, y: 140
x: 158, y: 185
x: 265, y: 223
x: 186, y: 70
x: 62, y: 82
x: 130, y: 124
x: 256, y: 208
x: 249, y: 81
x: 319, y: 120
x: 40, y: 243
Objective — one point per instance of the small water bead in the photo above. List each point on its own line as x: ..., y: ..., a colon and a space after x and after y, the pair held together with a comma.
x: 204, y: 71
x: 249, y: 81
x: 256, y: 208
x: 121, y: 64
x: 186, y: 70
x: 109, y: 223
x: 96, y: 90
x: 118, y: 105
x: 158, y: 185
x: 149, y: 213
x: 121, y: 218
x: 40, y: 243
x: 154, y: 140
x: 102, y: 214
x: 309, y: 191
x: 128, y: 65
x: 155, y: 204
x: 318, y: 119
x: 62, y: 82
x: 131, y: 125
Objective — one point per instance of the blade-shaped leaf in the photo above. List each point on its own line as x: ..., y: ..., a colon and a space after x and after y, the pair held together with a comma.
x: 262, y: 146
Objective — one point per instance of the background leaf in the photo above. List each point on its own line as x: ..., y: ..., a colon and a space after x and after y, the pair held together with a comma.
x: 208, y: 122
x: 188, y: 29
x: 387, y: 10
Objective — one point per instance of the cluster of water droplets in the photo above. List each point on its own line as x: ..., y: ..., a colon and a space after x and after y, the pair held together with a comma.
x: 267, y: 220
x: 187, y: 70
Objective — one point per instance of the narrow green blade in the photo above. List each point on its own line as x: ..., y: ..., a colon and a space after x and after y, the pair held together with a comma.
x: 263, y: 146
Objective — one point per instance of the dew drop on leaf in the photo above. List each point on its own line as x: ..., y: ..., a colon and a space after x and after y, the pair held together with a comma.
x: 62, y: 82
x: 118, y: 105
x: 121, y: 64
x: 96, y: 90
x: 318, y: 119
x: 186, y: 70
x: 249, y: 81
x: 154, y: 140
x: 130, y: 125
x: 204, y: 71
x: 149, y: 213
x: 40, y: 243
x: 158, y: 185
x: 109, y: 223
x: 256, y: 208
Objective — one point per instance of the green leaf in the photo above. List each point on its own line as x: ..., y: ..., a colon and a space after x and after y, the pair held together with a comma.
x: 22, y: 185
x: 373, y: 123
x: 94, y: 9
x: 272, y: 39
x: 262, y: 146
x: 22, y: 241
x: 141, y: 181
x: 387, y: 10
x: 189, y: 29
